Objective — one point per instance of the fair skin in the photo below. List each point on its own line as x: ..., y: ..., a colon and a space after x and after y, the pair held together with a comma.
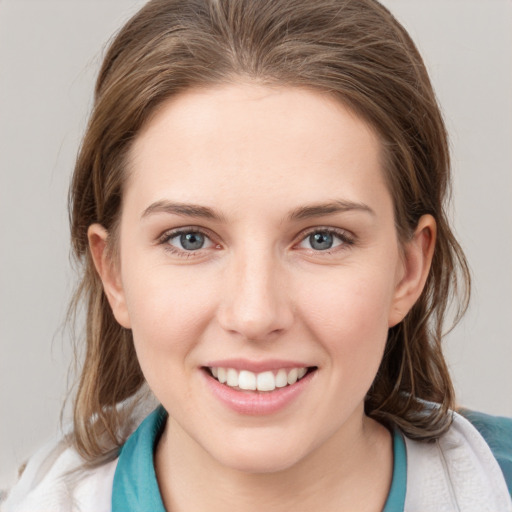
x: 266, y: 282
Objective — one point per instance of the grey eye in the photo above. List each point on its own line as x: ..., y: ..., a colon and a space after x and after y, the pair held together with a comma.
x: 321, y: 240
x: 187, y: 241
x: 191, y: 241
x: 324, y: 239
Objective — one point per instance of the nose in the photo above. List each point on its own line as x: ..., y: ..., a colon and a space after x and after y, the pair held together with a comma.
x: 256, y: 302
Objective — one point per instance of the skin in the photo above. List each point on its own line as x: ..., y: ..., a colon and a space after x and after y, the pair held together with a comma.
x: 259, y: 290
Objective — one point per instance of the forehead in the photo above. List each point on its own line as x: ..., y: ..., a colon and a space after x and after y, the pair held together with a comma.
x: 264, y: 146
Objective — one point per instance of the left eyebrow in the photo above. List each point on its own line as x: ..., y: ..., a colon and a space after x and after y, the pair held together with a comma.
x: 318, y: 210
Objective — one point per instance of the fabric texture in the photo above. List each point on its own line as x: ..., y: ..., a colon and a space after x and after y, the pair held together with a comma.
x: 497, y: 432
x: 457, y: 473
x: 53, y: 481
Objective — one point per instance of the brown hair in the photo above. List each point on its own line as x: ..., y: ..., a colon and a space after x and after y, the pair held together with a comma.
x: 353, y: 49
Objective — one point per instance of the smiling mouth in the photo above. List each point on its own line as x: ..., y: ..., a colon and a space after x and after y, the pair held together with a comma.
x: 245, y: 380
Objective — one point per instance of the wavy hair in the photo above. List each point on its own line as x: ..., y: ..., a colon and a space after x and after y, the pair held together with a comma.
x: 353, y: 49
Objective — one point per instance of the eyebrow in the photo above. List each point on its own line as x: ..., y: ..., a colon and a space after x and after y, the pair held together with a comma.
x: 183, y: 210
x: 301, y: 213
x: 321, y: 209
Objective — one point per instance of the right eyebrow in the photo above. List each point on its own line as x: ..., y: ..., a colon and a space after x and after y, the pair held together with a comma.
x: 183, y: 210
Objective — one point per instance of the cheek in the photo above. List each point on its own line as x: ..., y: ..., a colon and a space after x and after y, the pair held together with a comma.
x: 168, y: 313
x: 349, y: 316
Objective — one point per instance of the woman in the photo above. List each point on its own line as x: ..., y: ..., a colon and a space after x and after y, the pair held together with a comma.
x: 258, y: 204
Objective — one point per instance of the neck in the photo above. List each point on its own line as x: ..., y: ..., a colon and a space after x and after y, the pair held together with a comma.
x: 351, y: 471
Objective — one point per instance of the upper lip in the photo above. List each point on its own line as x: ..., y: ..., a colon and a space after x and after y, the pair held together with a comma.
x: 256, y: 366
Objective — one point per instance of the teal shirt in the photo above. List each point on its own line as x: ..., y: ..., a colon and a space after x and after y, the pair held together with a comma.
x: 135, y: 487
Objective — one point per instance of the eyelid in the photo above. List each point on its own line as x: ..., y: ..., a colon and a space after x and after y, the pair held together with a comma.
x: 169, y: 234
x: 345, y: 236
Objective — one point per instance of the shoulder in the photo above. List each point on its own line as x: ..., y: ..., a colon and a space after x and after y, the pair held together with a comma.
x: 458, y: 470
x: 54, y: 479
x: 497, y: 432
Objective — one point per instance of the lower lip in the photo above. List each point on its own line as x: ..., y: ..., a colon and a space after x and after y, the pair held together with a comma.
x: 257, y: 403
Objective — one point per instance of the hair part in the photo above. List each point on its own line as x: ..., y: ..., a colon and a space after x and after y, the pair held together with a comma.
x: 352, y: 49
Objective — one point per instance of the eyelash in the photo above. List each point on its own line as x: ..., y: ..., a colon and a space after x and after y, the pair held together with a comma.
x: 347, y: 240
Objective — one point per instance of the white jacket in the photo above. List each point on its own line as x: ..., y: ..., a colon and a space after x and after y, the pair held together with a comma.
x: 457, y: 473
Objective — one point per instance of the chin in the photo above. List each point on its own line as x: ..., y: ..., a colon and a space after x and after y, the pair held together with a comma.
x: 260, y: 458
x: 261, y: 465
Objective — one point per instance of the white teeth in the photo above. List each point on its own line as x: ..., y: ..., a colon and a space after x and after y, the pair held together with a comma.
x: 264, y: 381
x: 281, y: 379
x: 221, y: 375
x: 292, y: 376
x: 247, y: 380
x: 232, y: 377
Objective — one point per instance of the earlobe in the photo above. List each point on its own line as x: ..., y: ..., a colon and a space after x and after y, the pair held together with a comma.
x: 417, y: 259
x: 108, y: 272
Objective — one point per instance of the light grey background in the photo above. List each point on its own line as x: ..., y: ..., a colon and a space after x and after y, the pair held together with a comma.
x: 49, y: 54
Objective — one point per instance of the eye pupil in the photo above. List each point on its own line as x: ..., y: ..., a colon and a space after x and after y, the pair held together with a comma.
x: 192, y: 241
x: 321, y: 240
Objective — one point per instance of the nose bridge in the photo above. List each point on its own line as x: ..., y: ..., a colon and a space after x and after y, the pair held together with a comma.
x: 256, y: 302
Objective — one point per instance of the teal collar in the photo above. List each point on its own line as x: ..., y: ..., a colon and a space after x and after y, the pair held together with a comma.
x: 396, y: 496
x: 135, y: 487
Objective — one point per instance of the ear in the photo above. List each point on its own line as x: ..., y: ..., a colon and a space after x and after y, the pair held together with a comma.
x: 109, y: 273
x: 416, y: 261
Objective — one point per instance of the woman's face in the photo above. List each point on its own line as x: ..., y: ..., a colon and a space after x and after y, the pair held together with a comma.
x: 257, y: 243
